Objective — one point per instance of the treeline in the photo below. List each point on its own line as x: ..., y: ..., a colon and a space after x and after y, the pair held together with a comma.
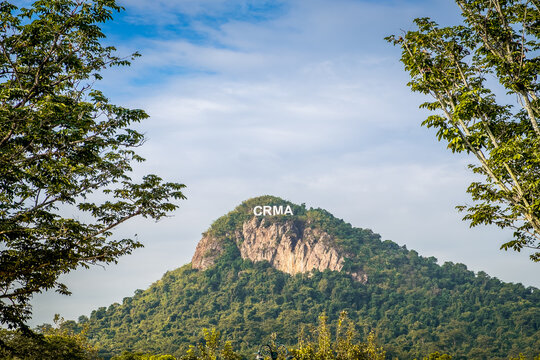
x: 470, y: 317
x: 338, y: 341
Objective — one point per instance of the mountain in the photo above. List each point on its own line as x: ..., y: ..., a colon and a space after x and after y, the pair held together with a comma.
x: 277, y: 271
x: 291, y: 244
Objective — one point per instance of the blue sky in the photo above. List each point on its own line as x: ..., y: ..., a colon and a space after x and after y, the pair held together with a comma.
x: 298, y: 99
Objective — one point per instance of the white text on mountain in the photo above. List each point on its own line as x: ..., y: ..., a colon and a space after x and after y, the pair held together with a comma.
x: 265, y: 210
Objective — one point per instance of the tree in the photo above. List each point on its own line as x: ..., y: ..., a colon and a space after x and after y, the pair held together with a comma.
x: 212, y: 348
x: 139, y: 356
x: 499, y: 39
x: 65, y: 152
x: 52, y: 343
x: 437, y: 356
x: 345, y: 346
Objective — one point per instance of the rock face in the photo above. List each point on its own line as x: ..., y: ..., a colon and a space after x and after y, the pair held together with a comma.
x: 206, y: 253
x: 288, y: 246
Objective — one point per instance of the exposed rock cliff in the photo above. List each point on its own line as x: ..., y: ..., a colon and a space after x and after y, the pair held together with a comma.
x: 290, y: 246
x: 206, y: 253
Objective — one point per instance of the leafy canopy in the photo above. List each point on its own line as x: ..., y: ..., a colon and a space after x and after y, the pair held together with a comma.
x: 62, y: 143
x: 499, y: 39
x: 51, y: 343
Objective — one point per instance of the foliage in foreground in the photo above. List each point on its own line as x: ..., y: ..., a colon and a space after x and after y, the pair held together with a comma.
x: 141, y: 356
x: 50, y: 343
x: 498, y: 39
x: 62, y: 146
x: 338, y: 341
x: 345, y: 345
x: 319, y: 344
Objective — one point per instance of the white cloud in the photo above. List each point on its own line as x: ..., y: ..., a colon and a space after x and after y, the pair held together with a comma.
x: 310, y: 106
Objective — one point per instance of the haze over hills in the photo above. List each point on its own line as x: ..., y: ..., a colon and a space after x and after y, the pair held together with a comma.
x: 254, y: 275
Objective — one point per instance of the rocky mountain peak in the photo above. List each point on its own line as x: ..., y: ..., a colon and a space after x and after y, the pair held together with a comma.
x: 289, y: 243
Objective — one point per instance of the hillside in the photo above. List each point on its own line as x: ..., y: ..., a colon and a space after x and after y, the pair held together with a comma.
x: 254, y: 275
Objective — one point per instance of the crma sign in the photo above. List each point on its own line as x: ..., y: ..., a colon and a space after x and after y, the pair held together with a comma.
x: 260, y: 210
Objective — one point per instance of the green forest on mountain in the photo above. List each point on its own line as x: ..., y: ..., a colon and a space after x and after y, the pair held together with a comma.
x: 412, y: 305
x: 62, y: 143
